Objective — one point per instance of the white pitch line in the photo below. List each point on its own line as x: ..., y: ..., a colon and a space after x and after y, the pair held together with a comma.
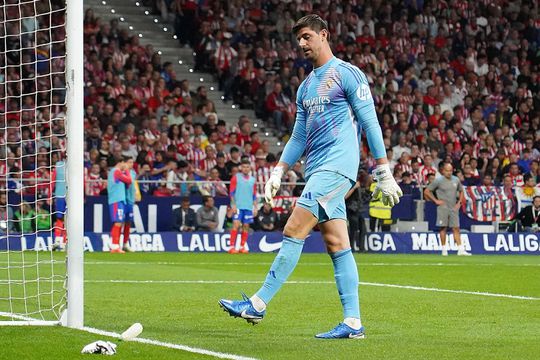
x: 190, y: 349
x: 479, y: 293
x: 220, y: 355
x: 307, y: 282
x: 300, y: 264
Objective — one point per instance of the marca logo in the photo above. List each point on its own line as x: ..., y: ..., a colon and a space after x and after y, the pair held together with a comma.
x: 265, y: 246
x: 138, y: 242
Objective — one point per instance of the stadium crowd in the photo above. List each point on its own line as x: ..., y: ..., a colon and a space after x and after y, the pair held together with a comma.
x: 453, y: 81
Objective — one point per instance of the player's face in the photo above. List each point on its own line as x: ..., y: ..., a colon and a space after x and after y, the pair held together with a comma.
x: 245, y: 169
x: 311, y: 42
x: 129, y: 164
x: 447, y: 171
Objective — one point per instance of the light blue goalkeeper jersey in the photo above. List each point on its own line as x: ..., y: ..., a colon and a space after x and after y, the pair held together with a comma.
x: 333, y: 104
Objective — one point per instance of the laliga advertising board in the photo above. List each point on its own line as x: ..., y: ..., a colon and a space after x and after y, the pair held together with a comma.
x: 388, y: 243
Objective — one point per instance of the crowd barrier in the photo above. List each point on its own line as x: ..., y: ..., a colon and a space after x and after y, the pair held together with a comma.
x: 265, y: 242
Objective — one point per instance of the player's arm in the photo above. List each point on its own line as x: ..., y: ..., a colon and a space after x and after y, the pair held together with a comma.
x: 461, y: 196
x: 255, y: 199
x: 356, y: 87
x: 428, y: 193
x: 122, y: 176
x: 232, y: 193
x: 293, y: 150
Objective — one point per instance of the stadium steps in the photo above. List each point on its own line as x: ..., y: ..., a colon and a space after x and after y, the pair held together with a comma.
x: 152, y: 32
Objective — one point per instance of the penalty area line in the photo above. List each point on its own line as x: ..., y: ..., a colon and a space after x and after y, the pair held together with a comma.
x: 216, y: 354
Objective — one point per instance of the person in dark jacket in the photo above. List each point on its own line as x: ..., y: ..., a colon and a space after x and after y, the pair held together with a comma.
x: 530, y: 216
x: 184, y: 217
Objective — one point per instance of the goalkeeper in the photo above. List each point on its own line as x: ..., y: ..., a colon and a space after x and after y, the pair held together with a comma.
x: 333, y: 103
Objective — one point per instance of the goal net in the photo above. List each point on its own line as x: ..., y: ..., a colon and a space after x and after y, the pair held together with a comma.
x: 33, y: 156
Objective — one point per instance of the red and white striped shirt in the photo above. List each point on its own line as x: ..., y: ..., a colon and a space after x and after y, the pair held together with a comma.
x: 196, y: 156
x: 93, y: 185
x: 425, y: 171
x: 262, y: 176
x: 518, y: 147
x: 208, y: 164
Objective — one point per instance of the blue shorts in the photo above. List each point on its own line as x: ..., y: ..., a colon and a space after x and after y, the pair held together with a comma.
x: 128, y: 210
x: 244, y: 216
x: 117, y: 211
x: 60, y: 207
x: 324, y: 195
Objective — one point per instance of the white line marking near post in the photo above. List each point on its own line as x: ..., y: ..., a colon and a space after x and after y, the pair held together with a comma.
x: 190, y: 349
x: 31, y: 321
x: 300, y: 282
x: 441, y: 264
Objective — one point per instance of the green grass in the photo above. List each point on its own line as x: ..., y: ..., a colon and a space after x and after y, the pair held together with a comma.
x: 401, y: 323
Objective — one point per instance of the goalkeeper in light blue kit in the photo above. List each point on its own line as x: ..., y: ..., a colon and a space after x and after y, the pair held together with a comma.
x: 333, y: 103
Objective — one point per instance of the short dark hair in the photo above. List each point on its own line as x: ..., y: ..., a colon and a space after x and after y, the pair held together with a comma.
x: 245, y: 161
x: 312, y: 21
x: 205, y: 199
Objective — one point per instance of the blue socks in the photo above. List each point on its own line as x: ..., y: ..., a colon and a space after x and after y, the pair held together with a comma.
x: 346, y: 275
x: 281, y: 268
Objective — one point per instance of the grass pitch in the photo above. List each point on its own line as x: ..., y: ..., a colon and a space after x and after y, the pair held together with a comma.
x: 175, y: 297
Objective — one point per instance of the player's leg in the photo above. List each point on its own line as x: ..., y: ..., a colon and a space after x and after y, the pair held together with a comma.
x: 296, y: 230
x: 443, y: 214
x: 117, y: 218
x: 336, y: 238
x: 59, y: 226
x: 454, y: 223
x: 234, y: 232
x: 442, y: 235
x: 247, y: 220
x: 127, y: 227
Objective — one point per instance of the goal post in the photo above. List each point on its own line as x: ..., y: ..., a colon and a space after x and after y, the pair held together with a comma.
x: 41, y: 162
x: 75, y: 163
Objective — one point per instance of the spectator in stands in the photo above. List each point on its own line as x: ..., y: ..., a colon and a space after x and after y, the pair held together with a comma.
x: 6, y: 215
x: 143, y: 179
x: 221, y: 167
x: 218, y: 186
x: 173, y: 177
x: 281, y: 108
x: 184, y: 217
x: 267, y: 218
x: 235, y: 159
x: 207, y: 215
x: 43, y: 217
x: 25, y: 218
x: 530, y: 216
x: 407, y: 184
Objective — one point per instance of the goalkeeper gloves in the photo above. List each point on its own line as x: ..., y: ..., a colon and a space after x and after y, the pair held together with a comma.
x: 272, y: 185
x: 386, y: 185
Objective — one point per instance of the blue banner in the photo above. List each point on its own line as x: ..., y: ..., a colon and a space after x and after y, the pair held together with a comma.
x: 146, y: 219
x: 388, y: 243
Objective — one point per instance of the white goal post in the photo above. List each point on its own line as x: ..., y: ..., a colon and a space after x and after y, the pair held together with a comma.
x: 41, y: 131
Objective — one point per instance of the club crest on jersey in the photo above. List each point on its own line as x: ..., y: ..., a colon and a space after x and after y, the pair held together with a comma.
x: 329, y: 83
x: 363, y: 92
